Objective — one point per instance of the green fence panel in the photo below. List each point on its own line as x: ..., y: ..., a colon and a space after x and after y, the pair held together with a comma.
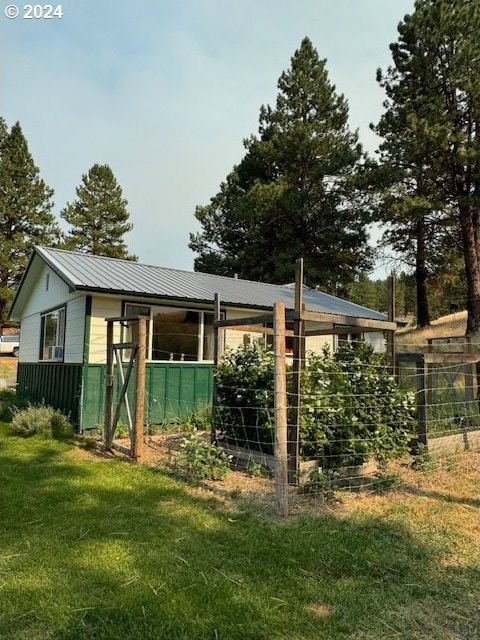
x: 52, y: 383
x: 171, y: 391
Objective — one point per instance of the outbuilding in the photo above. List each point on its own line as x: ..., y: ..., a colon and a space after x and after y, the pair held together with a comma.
x: 65, y: 297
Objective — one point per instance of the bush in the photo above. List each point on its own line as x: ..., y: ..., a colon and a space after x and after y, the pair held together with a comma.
x: 351, y: 408
x: 9, y: 403
x: 245, y: 396
x: 201, y: 460
x: 42, y: 420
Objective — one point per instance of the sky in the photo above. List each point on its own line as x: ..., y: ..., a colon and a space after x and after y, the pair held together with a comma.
x: 166, y: 91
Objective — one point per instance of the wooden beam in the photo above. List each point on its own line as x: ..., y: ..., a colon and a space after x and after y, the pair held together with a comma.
x: 139, y: 426
x: 349, y: 321
x: 235, y: 322
x: 334, y: 331
x: 453, y: 358
x: 252, y: 328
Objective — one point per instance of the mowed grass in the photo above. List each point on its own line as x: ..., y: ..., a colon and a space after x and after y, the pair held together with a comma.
x: 105, y: 549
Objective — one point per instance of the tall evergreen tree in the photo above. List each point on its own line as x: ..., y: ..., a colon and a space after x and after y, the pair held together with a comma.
x: 25, y: 211
x: 99, y: 217
x: 294, y: 193
x: 436, y: 76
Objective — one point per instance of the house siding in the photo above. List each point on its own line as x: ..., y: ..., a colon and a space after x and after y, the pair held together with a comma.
x: 42, y: 299
x: 102, y: 307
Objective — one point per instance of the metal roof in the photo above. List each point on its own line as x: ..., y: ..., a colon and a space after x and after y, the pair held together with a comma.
x: 109, y: 275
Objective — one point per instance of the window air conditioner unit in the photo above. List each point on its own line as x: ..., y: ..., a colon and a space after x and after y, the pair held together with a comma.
x: 55, y: 352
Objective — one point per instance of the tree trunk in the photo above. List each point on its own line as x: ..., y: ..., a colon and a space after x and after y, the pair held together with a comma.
x: 472, y: 271
x: 423, y: 314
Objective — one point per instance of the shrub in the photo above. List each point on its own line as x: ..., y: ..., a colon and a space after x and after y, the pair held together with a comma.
x: 351, y: 408
x: 9, y: 403
x: 201, y: 460
x: 424, y: 460
x: 42, y: 420
x: 245, y: 396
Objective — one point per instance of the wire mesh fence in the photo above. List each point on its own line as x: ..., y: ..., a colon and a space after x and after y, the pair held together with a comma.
x: 347, y: 415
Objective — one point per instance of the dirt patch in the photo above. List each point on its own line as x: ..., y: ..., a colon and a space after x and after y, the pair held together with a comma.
x: 454, y: 485
x: 319, y: 609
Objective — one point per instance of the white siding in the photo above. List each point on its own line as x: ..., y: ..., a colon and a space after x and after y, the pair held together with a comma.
x: 48, y: 292
x: 74, y: 330
x: 316, y: 343
x: 233, y: 338
x: 102, y: 307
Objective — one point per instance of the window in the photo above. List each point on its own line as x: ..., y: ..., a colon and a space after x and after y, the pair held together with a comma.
x: 53, y: 335
x: 174, y: 333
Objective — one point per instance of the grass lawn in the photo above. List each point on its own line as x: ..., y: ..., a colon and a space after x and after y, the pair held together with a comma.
x: 105, y: 549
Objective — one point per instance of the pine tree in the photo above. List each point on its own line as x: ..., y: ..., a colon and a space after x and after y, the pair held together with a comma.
x: 436, y: 77
x: 99, y: 217
x: 294, y: 193
x: 25, y: 211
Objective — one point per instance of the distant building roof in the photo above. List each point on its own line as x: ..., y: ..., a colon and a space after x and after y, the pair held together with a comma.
x: 84, y: 272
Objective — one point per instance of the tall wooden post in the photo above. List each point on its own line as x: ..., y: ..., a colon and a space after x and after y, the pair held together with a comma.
x: 280, y: 399
x: 421, y: 402
x: 138, y: 430
x: 216, y: 359
x: 298, y: 358
x: 107, y: 422
x: 391, y: 318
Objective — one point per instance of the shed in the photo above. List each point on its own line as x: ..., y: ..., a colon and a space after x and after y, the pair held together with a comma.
x: 64, y: 298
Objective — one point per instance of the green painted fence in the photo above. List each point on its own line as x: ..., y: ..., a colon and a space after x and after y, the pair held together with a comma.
x: 171, y: 390
x: 53, y: 383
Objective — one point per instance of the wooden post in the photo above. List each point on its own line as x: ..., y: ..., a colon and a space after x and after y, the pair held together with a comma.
x: 280, y: 382
x: 138, y: 431
x: 298, y: 357
x: 421, y: 402
x: 391, y: 318
x: 107, y: 421
x: 216, y: 359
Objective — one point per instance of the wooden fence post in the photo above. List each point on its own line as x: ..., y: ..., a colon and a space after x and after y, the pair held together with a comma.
x: 107, y: 421
x: 138, y: 431
x: 280, y: 399
x: 391, y: 347
x: 216, y: 359
x: 298, y: 358
x: 421, y: 402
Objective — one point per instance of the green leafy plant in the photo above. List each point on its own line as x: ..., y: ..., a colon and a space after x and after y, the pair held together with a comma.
x: 351, y: 408
x: 10, y: 402
x: 386, y: 481
x: 245, y: 396
x: 319, y: 483
x: 201, y: 460
x: 121, y: 430
x: 199, y: 420
x: 41, y: 420
x: 424, y: 460
x: 255, y: 470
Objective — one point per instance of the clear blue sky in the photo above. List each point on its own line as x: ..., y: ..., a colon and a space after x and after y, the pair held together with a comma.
x: 165, y: 92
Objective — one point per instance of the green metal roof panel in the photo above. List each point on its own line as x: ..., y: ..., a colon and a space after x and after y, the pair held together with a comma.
x: 110, y: 275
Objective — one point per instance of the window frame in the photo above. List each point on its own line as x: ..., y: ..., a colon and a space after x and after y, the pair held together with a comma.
x: 43, y: 317
x: 152, y: 306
